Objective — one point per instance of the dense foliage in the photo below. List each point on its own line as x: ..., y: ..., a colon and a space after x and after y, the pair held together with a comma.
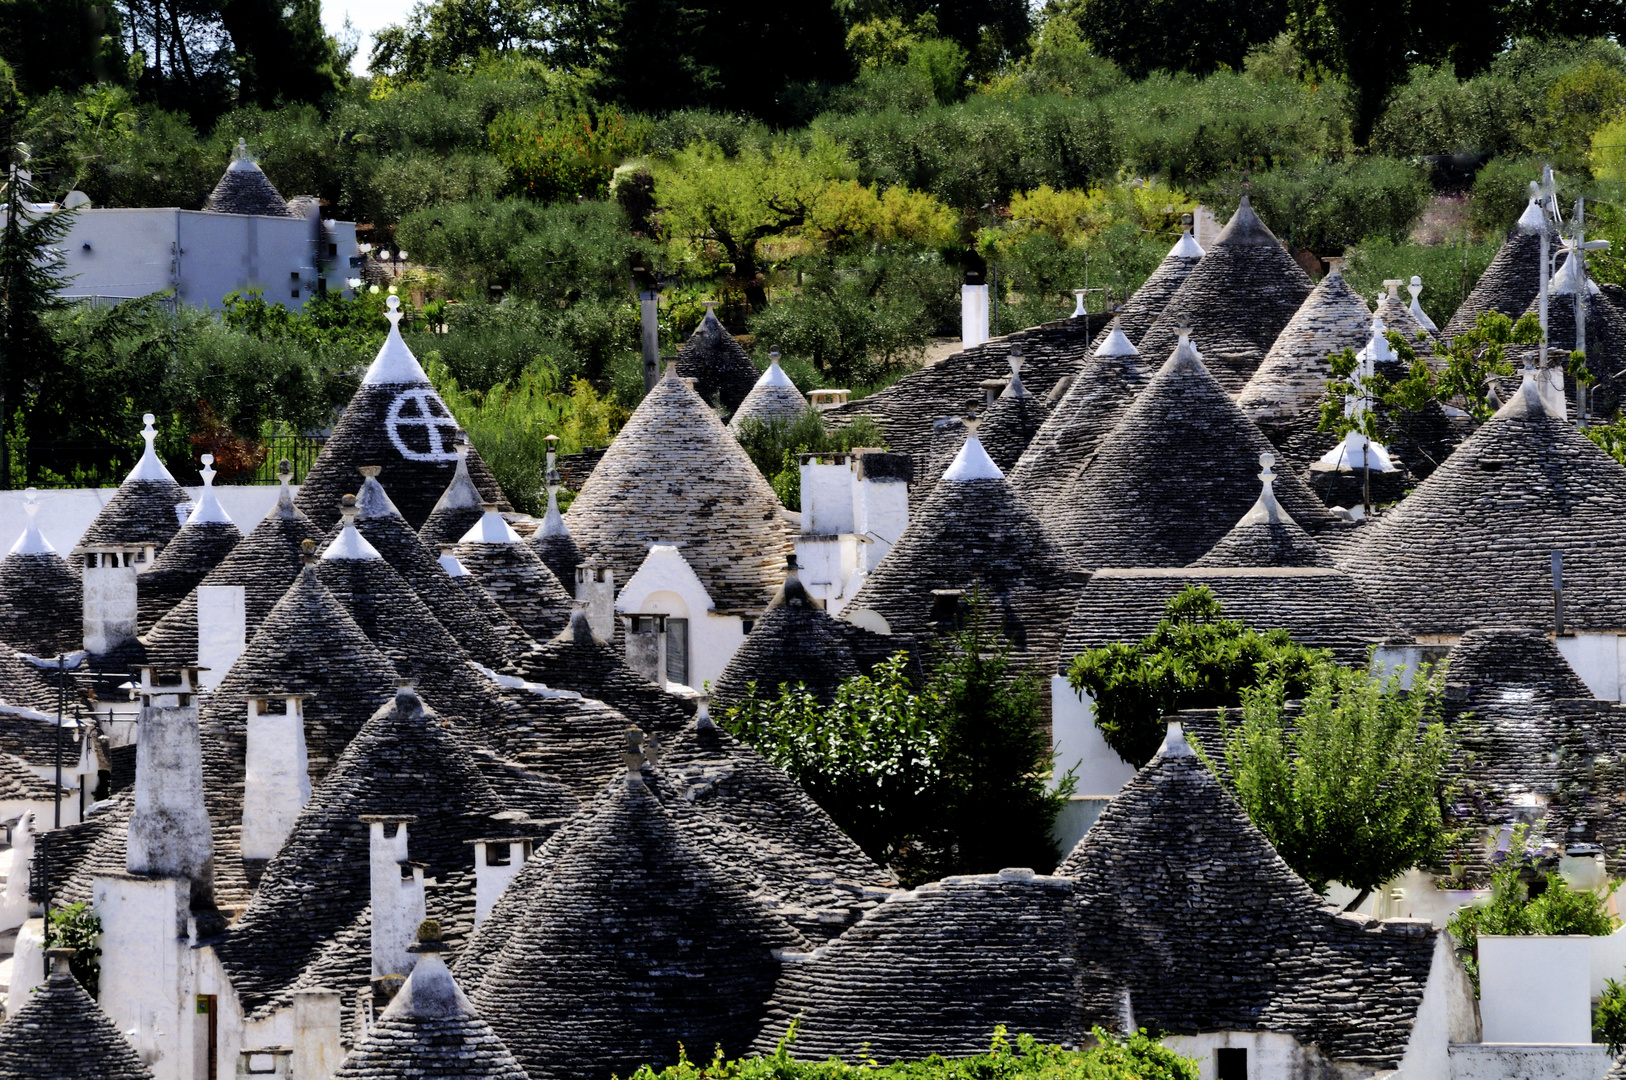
x: 1138, y: 1057
x: 941, y: 778
x: 75, y: 926
x: 1351, y: 785
x: 1196, y: 658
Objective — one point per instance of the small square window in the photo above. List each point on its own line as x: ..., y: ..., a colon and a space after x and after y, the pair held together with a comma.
x: 1231, y: 1063
x: 294, y: 292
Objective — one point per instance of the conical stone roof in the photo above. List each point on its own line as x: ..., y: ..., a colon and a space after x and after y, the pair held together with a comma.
x: 675, y: 475
x: 245, y: 189
x: 397, y: 421
x: 458, y: 508
x: 403, y: 628
x: 578, y: 661
x: 430, y: 1030
x: 147, y: 508
x: 562, y: 734
x: 58, y: 1032
x: 41, y: 599
x: 1511, y: 280
x: 719, y: 366
x: 381, y: 525
x: 1173, y: 477
x: 516, y: 642
x: 972, y: 533
x: 1011, y: 422
x: 309, y: 645
x: 207, y: 537
x: 1237, y: 300
x: 1471, y: 545
x: 552, y: 541
x: 1086, y: 414
x: 934, y: 971
x: 404, y: 762
x: 1148, y: 302
x: 1162, y: 878
x: 772, y: 397
x: 1291, y: 382
x: 1267, y: 535
x: 264, y: 563
x: 794, y: 642
x: 514, y: 575
x: 600, y: 976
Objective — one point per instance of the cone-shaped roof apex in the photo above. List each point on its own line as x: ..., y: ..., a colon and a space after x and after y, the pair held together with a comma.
x: 394, y: 364
x: 32, y: 541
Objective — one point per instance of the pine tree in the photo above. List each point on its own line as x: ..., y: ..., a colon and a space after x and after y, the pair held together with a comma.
x: 31, y: 281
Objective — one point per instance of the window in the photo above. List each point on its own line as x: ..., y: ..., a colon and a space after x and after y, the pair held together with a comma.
x: 677, y: 651
x: 1231, y: 1063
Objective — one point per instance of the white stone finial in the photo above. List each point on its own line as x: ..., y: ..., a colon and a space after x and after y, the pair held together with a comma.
x: 1174, y: 742
x: 208, y: 508
x: 1266, y: 510
x: 394, y: 313
x: 1417, y: 312
x: 32, y: 541
x: 1266, y: 460
x: 972, y: 463
x: 150, y: 467
x: 1392, y: 288
x: 242, y: 150
x: 208, y: 470
x: 1078, y: 303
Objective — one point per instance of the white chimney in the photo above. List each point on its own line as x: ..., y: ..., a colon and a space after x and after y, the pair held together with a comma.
x: 318, y: 1014
x: 880, y: 502
x: 169, y: 834
x: 397, y: 894
x: 276, y: 775
x: 495, y: 864
x: 973, y: 315
x: 646, y: 646
x: 595, y: 587
x: 222, y: 630
x: 268, y: 1062
x: 110, y: 609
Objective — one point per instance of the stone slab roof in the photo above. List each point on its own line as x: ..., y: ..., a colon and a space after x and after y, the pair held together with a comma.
x: 404, y: 761
x: 458, y: 508
x: 1237, y: 300
x: 430, y: 1030
x: 1185, y: 907
x: 516, y: 577
x: 969, y: 534
x: 576, y: 660
x: 599, y: 976
x: 772, y: 397
x: 1292, y: 380
x: 188, y: 557
x: 1267, y: 535
x: 675, y: 475
x: 1508, y: 284
x: 1471, y: 546
x: 719, y: 366
x: 934, y: 971
x: 1318, y: 607
x: 264, y: 563
x: 1142, y: 309
x: 245, y: 189
x: 82, y: 852
x: 59, y: 1033
x: 907, y: 409
x: 41, y: 603
x: 1174, y: 476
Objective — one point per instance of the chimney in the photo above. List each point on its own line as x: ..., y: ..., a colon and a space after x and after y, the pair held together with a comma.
x: 276, y: 777
x: 973, y: 315
x: 702, y: 713
x: 646, y: 646
x: 318, y: 1016
x: 880, y: 501
x: 649, y: 319
x: 169, y: 828
x: 109, y: 608
x: 222, y: 631
x: 991, y: 389
x: 264, y: 1062
x: 1078, y: 303
x: 496, y: 861
x: 947, y: 610
x: 397, y: 894
x: 595, y: 587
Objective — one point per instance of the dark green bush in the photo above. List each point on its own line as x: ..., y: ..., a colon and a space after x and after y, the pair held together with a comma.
x: 1448, y: 270
x: 1502, y: 190
x: 1327, y: 206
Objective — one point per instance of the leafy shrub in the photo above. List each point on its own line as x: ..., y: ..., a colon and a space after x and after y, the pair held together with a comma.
x: 1352, y: 787
x: 1138, y: 1057
x: 1327, y: 206
x: 1511, y: 909
x: 773, y: 446
x: 1609, y: 1018
x: 1195, y: 658
x: 946, y: 779
x: 563, y: 157
x: 77, y: 927
x: 1502, y: 190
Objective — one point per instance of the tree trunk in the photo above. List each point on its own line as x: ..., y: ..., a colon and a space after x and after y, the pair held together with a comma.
x: 1360, y: 898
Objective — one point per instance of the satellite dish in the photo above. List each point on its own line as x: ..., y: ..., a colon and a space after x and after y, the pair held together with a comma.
x: 75, y: 199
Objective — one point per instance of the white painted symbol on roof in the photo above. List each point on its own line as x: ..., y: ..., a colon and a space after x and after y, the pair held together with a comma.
x: 420, y: 408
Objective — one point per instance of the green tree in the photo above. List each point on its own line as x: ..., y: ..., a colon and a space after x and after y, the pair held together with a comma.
x: 1351, y: 786
x: 1193, y: 36
x: 53, y: 44
x: 77, y: 927
x: 1371, y: 54
x: 450, y: 34
x: 941, y: 779
x: 280, y: 51
x: 31, y: 278
x: 1195, y: 659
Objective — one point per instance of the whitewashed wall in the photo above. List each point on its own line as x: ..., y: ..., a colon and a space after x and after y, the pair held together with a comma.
x: 65, y: 513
